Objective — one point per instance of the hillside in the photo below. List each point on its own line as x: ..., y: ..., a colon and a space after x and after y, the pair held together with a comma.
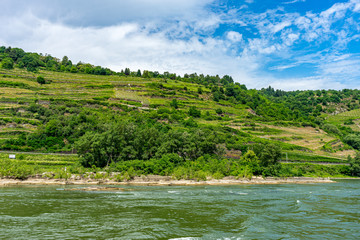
x: 129, y: 119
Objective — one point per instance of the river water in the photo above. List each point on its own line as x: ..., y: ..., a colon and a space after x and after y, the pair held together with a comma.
x: 288, y: 211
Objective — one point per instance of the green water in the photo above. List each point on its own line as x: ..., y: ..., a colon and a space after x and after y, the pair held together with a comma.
x: 313, y: 211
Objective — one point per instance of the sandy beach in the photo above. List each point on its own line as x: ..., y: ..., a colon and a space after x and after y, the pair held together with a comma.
x: 153, y: 180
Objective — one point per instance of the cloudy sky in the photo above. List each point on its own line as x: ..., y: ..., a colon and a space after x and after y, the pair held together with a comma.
x: 288, y: 44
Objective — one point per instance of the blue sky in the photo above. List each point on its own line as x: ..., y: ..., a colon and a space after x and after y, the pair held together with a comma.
x: 288, y: 44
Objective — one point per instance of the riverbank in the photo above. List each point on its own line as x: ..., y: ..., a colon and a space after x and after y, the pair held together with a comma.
x: 153, y: 180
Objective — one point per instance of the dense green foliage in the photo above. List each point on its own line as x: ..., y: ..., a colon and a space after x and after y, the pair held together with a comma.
x: 40, y: 80
x: 355, y: 165
x: 353, y: 140
x: 128, y: 141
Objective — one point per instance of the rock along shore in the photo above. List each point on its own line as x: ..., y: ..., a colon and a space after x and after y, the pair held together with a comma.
x: 153, y: 180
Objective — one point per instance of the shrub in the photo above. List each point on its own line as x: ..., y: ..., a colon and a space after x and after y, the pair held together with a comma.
x: 40, y: 80
x: 219, y: 111
x: 332, y: 129
x: 174, y: 103
x: 218, y: 175
x: 200, y: 175
x: 355, y: 165
x: 353, y: 140
x: 194, y: 112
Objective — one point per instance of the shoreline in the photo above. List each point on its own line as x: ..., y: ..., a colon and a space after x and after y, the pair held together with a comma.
x: 153, y: 180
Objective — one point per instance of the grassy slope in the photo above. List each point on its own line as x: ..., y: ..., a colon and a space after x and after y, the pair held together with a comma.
x: 18, y: 88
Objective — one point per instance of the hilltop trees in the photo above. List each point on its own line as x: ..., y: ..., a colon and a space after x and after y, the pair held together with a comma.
x: 7, y: 63
x: 33, y: 62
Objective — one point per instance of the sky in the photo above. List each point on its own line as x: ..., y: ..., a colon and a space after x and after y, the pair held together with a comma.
x: 286, y: 44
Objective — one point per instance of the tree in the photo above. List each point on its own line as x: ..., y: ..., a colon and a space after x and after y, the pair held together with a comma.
x: 16, y: 53
x: 146, y: 74
x: 7, y: 63
x: 97, y: 149
x: 355, y: 165
x: 73, y: 69
x: 269, y: 154
x: 252, y: 161
x: 41, y: 80
x: 32, y: 61
x: 64, y: 60
x: 101, y: 149
x: 230, y: 91
x: 127, y: 71
x: 250, y: 157
x: 353, y: 140
x: 138, y: 73
x: 216, y: 96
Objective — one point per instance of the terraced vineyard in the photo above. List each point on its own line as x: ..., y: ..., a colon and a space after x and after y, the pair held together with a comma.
x: 52, y: 117
x: 42, y: 161
x: 19, y: 89
x: 345, y: 116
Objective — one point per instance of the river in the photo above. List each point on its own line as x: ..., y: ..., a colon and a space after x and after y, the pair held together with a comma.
x: 285, y: 211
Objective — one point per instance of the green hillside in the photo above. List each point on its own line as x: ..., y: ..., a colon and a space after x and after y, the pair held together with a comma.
x: 145, y: 122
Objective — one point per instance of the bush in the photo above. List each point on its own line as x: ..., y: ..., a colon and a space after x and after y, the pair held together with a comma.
x: 174, y: 103
x: 219, y: 111
x: 194, y: 112
x: 332, y: 129
x: 353, y: 140
x: 40, y: 80
x: 165, y: 165
x: 190, y: 123
x: 200, y: 175
x: 355, y: 165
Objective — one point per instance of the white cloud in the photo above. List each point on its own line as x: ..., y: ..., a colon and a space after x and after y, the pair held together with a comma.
x: 356, y: 7
x: 234, y: 36
x: 291, y: 38
x: 280, y: 26
x: 178, y: 36
x: 129, y: 45
x: 342, y: 66
x: 106, y: 12
x: 310, y: 83
x: 336, y: 11
x: 294, y: 1
x: 283, y: 67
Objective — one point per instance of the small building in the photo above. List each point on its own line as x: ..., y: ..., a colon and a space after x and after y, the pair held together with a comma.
x: 12, y: 156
